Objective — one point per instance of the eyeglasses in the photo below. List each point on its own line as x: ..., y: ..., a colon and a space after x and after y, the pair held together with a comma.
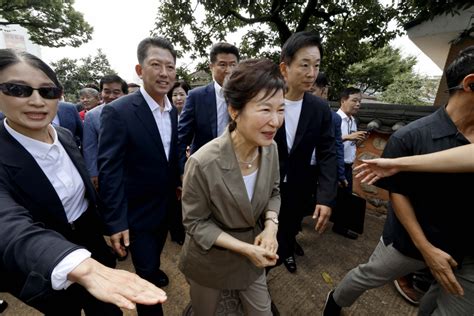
x: 23, y: 91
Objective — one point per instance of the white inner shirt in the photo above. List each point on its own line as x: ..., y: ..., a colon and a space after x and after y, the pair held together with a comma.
x: 292, y: 116
x: 162, y: 119
x: 348, y: 126
x: 250, y: 181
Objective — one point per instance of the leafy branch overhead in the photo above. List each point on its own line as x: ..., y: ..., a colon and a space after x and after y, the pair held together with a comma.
x: 74, y: 74
x: 51, y: 23
x: 352, y: 31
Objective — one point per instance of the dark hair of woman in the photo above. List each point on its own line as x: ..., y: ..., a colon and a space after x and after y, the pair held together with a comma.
x: 180, y: 83
x: 10, y: 57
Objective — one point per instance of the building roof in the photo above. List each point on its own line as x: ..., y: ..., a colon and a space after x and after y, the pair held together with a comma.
x: 387, y: 118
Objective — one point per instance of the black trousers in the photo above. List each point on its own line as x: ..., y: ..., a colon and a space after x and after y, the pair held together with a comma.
x: 87, y: 232
x: 344, y: 194
x: 146, y: 247
x: 175, y: 221
x: 294, y: 206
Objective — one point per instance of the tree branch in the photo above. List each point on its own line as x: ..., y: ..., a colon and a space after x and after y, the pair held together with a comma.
x: 237, y: 15
x: 307, y: 13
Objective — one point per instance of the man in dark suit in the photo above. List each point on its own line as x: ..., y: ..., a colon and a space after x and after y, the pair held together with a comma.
x: 68, y: 117
x: 205, y: 116
x: 308, y: 125
x: 138, y: 163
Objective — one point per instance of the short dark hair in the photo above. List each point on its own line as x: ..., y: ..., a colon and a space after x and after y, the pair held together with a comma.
x: 180, y: 83
x: 248, y: 79
x: 223, y: 48
x: 459, y: 68
x: 133, y: 85
x: 113, y: 79
x: 321, y: 80
x: 347, y: 92
x: 298, y: 41
x: 142, y: 50
x: 10, y: 57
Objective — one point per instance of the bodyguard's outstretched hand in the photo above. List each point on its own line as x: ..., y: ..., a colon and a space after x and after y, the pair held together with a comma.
x: 118, y: 287
x: 374, y: 169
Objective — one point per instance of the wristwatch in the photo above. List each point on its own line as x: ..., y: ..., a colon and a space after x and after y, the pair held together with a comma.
x: 273, y: 219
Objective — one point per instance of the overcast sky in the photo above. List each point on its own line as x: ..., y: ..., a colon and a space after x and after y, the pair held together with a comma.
x: 119, y: 25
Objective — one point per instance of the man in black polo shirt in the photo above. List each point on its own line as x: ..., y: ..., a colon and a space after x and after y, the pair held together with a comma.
x: 429, y: 222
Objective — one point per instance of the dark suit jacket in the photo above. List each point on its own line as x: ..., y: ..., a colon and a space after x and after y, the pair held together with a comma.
x: 34, y: 226
x: 314, y: 130
x: 135, y: 178
x: 69, y: 118
x: 336, y: 121
x: 197, y: 122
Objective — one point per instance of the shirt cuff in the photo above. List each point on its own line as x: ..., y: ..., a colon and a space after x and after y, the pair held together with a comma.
x: 59, y: 279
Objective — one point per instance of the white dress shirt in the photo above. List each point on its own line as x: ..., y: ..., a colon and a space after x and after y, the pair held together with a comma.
x: 56, y: 121
x: 221, y: 110
x: 67, y: 182
x: 162, y: 119
x: 348, y: 126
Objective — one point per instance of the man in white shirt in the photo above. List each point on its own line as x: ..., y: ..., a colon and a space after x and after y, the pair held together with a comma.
x: 350, y: 105
x: 204, y: 116
x: 138, y: 163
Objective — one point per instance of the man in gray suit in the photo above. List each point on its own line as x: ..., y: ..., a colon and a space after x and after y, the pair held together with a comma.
x: 111, y: 88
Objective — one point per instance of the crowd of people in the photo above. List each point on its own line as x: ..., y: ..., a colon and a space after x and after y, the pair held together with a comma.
x: 230, y: 169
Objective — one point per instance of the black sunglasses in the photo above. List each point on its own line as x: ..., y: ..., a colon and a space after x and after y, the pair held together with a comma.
x: 23, y: 91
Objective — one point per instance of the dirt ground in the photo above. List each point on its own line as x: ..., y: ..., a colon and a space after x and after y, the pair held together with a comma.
x: 302, y: 293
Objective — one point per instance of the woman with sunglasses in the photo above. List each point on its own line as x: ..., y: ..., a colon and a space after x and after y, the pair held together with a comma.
x: 52, y: 252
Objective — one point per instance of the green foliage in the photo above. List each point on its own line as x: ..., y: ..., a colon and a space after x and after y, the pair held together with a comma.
x: 51, y: 23
x: 182, y: 73
x: 376, y: 73
x: 74, y: 74
x: 351, y: 30
x: 407, y: 88
x: 416, y: 11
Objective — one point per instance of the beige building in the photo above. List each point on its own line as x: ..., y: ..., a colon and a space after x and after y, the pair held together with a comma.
x: 16, y: 37
x: 441, y: 39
